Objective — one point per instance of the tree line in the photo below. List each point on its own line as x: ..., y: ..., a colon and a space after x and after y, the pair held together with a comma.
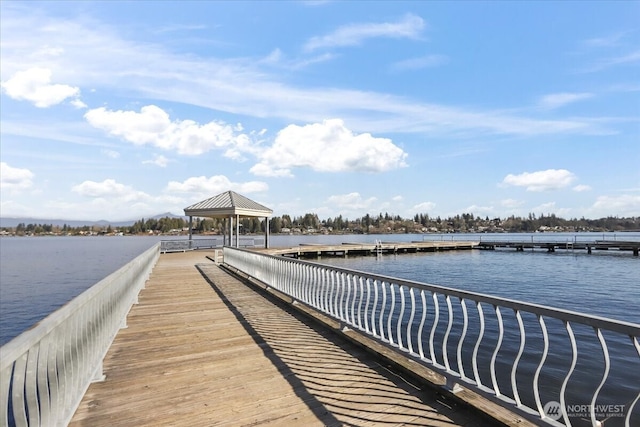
x: 367, y: 224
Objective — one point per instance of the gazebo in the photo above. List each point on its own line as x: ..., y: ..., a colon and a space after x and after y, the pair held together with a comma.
x: 229, y: 205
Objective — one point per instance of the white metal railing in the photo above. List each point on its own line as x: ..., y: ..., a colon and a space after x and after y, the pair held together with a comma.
x: 182, y: 245
x: 522, y: 356
x: 45, y: 371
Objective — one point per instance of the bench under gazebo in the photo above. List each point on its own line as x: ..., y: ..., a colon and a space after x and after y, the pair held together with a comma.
x: 233, y: 206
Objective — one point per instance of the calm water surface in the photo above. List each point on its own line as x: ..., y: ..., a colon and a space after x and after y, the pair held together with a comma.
x: 40, y: 274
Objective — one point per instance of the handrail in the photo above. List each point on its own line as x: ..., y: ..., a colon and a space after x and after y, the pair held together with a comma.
x: 462, y: 336
x: 183, y: 245
x: 45, y: 371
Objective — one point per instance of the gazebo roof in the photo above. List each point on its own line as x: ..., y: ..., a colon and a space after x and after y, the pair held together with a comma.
x: 228, y: 203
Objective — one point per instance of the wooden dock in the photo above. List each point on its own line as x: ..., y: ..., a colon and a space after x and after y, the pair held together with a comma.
x: 359, y: 249
x: 551, y: 246
x: 203, y: 348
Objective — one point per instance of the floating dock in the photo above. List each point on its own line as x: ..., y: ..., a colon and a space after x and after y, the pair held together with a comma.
x: 551, y: 246
x: 360, y: 249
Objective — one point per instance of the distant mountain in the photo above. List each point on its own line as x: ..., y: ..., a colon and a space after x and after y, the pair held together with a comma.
x: 13, y: 222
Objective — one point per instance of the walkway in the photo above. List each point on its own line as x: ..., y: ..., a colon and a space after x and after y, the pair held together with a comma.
x: 204, y: 350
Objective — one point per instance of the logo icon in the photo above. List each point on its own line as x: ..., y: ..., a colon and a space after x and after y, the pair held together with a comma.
x: 552, y: 410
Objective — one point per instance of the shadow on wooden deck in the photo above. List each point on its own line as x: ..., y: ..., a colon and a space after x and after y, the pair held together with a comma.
x: 340, y: 382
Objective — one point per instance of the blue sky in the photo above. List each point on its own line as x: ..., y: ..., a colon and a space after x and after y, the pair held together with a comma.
x: 122, y: 110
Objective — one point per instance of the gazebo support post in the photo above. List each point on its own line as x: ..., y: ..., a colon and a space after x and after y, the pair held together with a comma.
x: 190, y: 230
x: 266, y: 232
x: 224, y: 231
x: 237, y: 231
x: 230, y: 230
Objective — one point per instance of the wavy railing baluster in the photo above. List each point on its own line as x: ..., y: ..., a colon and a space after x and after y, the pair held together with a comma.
x: 391, y: 311
x: 19, y: 407
x: 294, y: 277
x: 536, y: 376
x: 382, y: 309
x: 463, y: 334
x: 310, y: 285
x: 44, y: 393
x: 348, y: 313
x: 445, y: 340
x: 340, y: 282
x: 334, y: 294
x: 31, y: 387
x: 375, y: 309
x: 315, y: 290
x: 410, y: 322
x: 326, y: 280
x: 366, y: 306
x: 400, y: 317
x: 361, y: 298
x: 563, y: 388
x: 304, y: 285
x: 494, y: 380
x: 423, y: 318
x: 436, y: 318
x: 474, y: 356
x: 514, y: 384
x: 605, y: 374
x: 326, y: 292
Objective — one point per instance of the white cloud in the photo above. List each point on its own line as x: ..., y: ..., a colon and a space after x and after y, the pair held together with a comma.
x: 480, y: 210
x: 351, y: 201
x: 158, y: 160
x: 426, y: 61
x: 550, y: 208
x: 328, y: 147
x: 557, y: 100
x: 550, y: 179
x: 112, y: 154
x: 14, y: 179
x: 629, y: 58
x: 608, y: 40
x: 78, y: 104
x: 209, y: 187
x: 622, y: 205
x: 397, y: 198
x: 108, y: 188
x: 511, y: 203
x: 354, y: 34
x: 152, y: 125
x: 581, y: 188
x: 424, y: 207
x: 34, y: 85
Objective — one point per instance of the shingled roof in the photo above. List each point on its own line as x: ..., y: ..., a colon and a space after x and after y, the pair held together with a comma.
x: 225, y: 204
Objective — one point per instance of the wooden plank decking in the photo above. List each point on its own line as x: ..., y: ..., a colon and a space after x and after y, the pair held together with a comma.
x: 213, y: 351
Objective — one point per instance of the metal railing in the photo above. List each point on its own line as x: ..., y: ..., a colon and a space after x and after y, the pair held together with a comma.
x: 549, y: 365
x: 182, y: 245
x: 45, y: 371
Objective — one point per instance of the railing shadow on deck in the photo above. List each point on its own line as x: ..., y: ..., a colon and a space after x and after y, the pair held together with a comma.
x: 304, y: 352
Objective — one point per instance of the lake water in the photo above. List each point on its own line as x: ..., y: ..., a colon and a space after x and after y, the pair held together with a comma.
x: 38, y: 275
